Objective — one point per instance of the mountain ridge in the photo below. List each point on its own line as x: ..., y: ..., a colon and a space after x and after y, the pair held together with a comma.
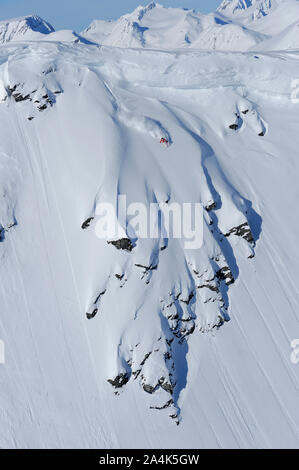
x: 22, y: 27
x: 235, y: 25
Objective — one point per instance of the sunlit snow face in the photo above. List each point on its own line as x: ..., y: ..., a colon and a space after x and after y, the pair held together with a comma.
x: 141, y: 143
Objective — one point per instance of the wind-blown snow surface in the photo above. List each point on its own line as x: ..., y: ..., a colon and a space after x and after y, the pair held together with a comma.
x: 81, y: 124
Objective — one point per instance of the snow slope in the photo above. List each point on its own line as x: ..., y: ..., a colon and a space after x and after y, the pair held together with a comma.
x: 157, y: 27
x: 287, y: 39
x: 277, y: 19
x: 248, y: 10
x: 109, y: 347
x: 24, y: 28
x: 236, y: 25
x: 34, y: 28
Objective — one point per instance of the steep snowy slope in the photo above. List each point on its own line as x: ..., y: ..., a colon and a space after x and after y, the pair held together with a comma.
x: 287, y: 39
x: 98, y: 31
x: 110, y: 342
x: 281, y: 25
x: 236, y: 25
x: 157, y: 27
x: 277, y: 19
x: 248, y: 10
x: 34, y: 28
x: 24, y: 28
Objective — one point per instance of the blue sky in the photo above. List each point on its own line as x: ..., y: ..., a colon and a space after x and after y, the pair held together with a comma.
x: 77, y: 14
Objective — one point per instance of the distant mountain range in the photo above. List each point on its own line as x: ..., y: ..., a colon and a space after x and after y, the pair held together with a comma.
x: 237, y: 25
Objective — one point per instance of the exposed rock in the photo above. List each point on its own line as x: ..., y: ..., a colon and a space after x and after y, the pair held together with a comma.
x: 234, y: 127
x: 175, y: 417
x: 136, y: 373
x: 99, y: 296
x: 89, y: 316
x: 87, y: 222
x: 187, y: 301
x: 19, y: 97
x: 210, y: 287
x: 166, y: 386
x: 145, y: 358
x: 42, y: 107
x: 225, y: 274
x: 119, y: 276
x: 49, y: 70
x: 122, y: 244
x: 147, y: 268
x: 163, y: 407
x: 211, y: 206
x: 119, y: 381
x: 11, y: 90
x: 13, y: 224
x: 242, y: 231
x: 148, y: 388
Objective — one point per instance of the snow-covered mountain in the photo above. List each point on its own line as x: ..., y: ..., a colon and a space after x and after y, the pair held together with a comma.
x: 23, y: 28
x: 104, y: 343
x: 248, y: 10
x: 34, y: 28
x: 236, y: 25
x: 157, y: 27
x: 135, y: 341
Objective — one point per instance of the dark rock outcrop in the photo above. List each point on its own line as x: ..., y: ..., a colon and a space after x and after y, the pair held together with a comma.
x: 122, y: 244
x: 225, y: 274
x: 87, y: 223
x: 211, y: 206
x: 89, y: 316
x: 18, y: 97
x: 119, y: 381
x: 243, y: 231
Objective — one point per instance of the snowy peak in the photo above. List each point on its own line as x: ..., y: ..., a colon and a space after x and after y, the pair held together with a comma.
x: 141, y: 11
x: 157, y: 27
x: 26, y: 27
x: 237, y: 25
x: 255, y: 8
x: 152, y: 26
